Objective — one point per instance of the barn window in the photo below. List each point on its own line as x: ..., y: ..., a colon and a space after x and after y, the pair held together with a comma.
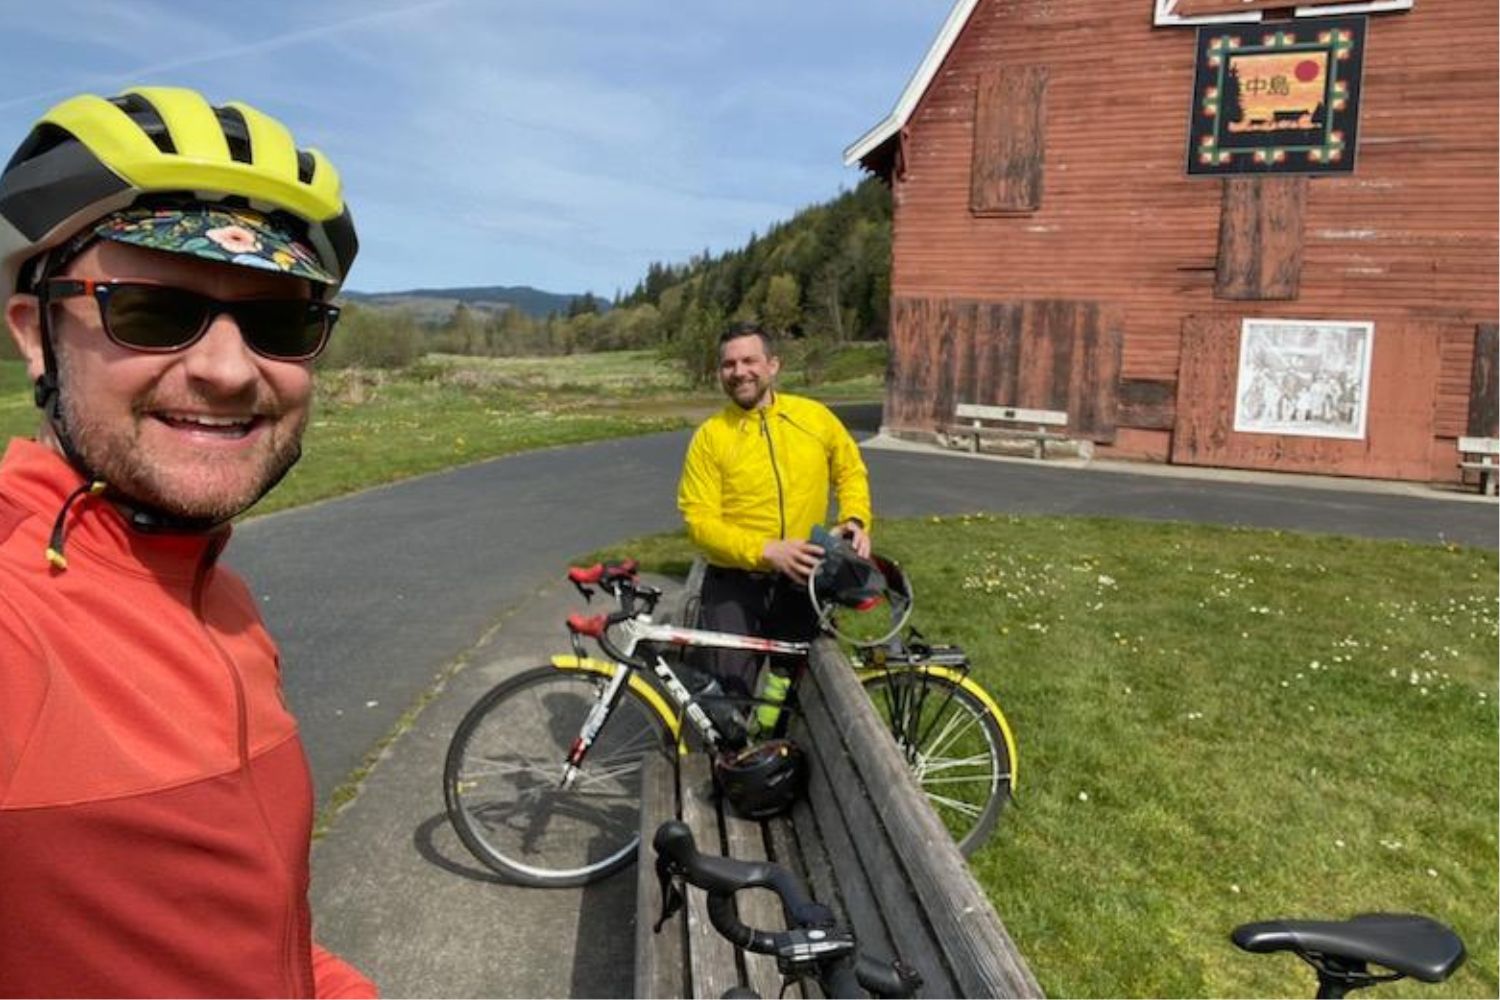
x: 1260, y: 238
x: 1009, y: 138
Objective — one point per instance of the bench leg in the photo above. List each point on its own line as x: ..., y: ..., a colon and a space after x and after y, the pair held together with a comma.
x: 1039, y: 448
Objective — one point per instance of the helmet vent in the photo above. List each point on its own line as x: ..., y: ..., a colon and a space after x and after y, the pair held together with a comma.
x: 43, y: 139
x: 236, y: 134
x: 306, y: 167
x: 144, y: 114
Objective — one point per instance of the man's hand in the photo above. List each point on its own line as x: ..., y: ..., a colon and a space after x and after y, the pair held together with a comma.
x: 858, y: 537
x: 794, y: 557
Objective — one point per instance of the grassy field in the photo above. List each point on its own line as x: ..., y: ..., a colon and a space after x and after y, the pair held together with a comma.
x: 373, y: 427
x: 1217, y: 726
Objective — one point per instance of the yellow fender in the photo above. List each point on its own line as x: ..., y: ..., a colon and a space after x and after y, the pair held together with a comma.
x: 638, y: 684
x: 973, y: 688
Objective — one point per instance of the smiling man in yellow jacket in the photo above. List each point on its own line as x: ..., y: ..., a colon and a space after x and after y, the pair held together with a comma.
x: 756, y: 480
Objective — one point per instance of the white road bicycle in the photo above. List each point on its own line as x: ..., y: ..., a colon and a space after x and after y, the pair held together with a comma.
x: 542, y: 777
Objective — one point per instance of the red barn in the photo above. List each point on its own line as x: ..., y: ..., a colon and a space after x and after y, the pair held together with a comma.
x: 1192, y: 246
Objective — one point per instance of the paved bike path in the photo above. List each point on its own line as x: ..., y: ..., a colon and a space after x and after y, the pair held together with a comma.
x: 396, y: 893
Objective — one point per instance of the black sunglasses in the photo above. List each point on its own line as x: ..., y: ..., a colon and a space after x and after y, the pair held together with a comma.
x: 160, y: 319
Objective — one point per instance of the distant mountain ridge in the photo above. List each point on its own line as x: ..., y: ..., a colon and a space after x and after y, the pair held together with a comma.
x: 438, y: 303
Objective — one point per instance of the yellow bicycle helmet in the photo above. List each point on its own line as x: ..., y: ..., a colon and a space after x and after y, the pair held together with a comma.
x: 91, y: 156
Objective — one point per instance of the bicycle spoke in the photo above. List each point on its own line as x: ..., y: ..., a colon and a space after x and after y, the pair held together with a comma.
x: 979, y: 761
x: 504, y: 778
x: 969, y: 809
x: 954, y: 728
x: 952, y: 745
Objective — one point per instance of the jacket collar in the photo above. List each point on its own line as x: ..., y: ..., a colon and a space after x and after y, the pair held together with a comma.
x: 740, y: 415
x: 40, y: 480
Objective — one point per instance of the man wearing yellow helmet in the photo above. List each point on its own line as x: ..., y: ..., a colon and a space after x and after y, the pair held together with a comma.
x: 166, y: 268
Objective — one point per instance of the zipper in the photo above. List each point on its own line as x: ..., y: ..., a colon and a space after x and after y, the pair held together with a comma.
x: 765, y: 431
x: 289, y: 970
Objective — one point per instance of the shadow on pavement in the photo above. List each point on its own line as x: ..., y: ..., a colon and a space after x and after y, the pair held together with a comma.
x: 427, y: 848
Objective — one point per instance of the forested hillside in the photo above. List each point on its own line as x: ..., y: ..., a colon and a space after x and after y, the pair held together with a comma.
x: 822, y: 276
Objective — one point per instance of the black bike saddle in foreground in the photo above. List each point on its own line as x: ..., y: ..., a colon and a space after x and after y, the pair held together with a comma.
x: 1407, y: 943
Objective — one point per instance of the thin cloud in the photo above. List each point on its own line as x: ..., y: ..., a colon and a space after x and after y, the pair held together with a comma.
x: 284, y: 40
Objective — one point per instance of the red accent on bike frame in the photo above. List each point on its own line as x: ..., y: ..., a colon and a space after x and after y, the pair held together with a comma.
x: 587, y: 624
x: 867, y: 604
x: 575, y: 752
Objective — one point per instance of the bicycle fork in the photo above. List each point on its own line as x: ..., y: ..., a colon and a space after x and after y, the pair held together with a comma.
x: 592, y: 723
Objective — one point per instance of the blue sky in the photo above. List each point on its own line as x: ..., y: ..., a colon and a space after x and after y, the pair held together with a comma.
x: 554, y: 143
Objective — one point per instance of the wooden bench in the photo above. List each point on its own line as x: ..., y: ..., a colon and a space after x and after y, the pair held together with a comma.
x: 865, y: 841
x: 973, y: 422
x: 1481, y: 455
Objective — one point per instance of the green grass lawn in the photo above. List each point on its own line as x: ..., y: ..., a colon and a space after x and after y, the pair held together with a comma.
x: 373, y: 427
x: 1217, y: 726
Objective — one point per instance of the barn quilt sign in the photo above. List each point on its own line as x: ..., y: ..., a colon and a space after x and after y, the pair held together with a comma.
x: 1279, y: 98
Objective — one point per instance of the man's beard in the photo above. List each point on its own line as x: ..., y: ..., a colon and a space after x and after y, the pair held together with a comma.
x: 763, y: 389
x: 220, y: 486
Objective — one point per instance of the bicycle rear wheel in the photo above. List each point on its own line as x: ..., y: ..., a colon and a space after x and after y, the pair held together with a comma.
x: 502, y: 780
x: 954, y: 746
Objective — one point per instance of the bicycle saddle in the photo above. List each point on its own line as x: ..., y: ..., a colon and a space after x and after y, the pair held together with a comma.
x: 1407, y: 943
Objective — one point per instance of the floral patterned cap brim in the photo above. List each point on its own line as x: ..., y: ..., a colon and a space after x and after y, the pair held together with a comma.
x: 229, y: 235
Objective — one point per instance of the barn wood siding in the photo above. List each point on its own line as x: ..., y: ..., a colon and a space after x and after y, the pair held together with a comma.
x: 1398, y: 442
x: 1410, y: 235
x: 1484, y: 384
x: 1049, y: 355
x: 1260, y: 238
x: 1010, y: 116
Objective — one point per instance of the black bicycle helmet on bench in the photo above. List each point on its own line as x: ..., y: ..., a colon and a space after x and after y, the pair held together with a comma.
x: 763, y: 780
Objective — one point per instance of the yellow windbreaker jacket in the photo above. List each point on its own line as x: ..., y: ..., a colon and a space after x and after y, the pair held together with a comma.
x: 753, y: 476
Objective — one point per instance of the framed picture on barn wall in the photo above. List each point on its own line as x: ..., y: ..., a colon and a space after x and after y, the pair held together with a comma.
x: 1303, y: 377
x: 1279, y: 98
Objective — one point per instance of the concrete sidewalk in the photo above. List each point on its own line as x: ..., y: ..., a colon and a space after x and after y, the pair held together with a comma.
x: 396, y: 893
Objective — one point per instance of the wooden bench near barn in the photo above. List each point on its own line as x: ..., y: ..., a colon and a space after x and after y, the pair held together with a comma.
x: 1481, y: 455
x: 866, y: 843
x: 973, y: 421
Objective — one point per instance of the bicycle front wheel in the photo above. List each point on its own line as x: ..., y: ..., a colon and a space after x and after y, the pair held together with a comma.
x: 503, y: 778
x: 954, y: 746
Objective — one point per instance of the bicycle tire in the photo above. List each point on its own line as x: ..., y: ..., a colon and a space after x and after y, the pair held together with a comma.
x: 954, y: 746
x: 502, y: 771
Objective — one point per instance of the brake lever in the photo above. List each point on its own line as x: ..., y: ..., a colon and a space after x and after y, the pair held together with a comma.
x: 587, y: 592
x: 671, y: 893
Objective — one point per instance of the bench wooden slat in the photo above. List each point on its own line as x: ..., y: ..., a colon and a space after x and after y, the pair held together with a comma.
x: 1003, y: 432
x: 781, y: 839
x: 861, y: 856
x: 983, y: 957
x: 659, y: 969
x: 756, y: 907
x: 712, y: 960
x: 979, y: 411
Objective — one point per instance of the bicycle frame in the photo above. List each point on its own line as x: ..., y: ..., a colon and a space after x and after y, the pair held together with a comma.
x: 622, y: 666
